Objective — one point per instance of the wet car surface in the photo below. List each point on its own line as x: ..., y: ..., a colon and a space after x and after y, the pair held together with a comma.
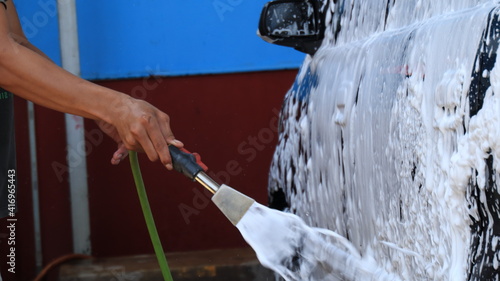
x: 388, y: 136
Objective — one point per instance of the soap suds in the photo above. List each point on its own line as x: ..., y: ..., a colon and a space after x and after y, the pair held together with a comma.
x: 383, y: 150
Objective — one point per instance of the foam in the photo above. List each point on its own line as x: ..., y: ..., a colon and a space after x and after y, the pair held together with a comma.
x: 381, y: 151
x: 284, y: 243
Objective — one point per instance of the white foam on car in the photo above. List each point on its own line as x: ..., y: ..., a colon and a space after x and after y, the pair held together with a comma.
x: 383, y: 150
x: 285, y: 244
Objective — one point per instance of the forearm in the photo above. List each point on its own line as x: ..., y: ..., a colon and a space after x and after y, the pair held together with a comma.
x: 32, y: 47
x: 28, y: 73
x: 35, y: 78
x: 15, y: 29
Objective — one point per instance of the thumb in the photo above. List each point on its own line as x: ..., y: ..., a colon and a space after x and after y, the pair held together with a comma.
x: 120, y: 154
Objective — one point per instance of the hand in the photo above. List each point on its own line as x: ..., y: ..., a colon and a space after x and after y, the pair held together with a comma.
x: 139, y: 126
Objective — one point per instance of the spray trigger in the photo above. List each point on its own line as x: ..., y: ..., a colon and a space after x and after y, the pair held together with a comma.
x: 197, y: 157
x: 185, y: 162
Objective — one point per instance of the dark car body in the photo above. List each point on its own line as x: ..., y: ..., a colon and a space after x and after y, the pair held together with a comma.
x: 390, y: 136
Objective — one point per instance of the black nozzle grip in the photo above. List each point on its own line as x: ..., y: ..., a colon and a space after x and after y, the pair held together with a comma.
x: 186, y: 163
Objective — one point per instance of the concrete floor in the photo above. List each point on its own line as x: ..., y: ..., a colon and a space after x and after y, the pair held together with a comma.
x: 212, y: 265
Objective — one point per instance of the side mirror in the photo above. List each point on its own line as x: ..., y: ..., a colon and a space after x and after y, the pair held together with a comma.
x: 293, y: 23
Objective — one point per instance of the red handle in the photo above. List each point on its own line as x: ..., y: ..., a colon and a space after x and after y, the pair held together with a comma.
x: 198, y: 159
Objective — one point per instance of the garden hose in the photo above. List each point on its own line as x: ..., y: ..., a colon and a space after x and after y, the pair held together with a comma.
x: 148, y: 216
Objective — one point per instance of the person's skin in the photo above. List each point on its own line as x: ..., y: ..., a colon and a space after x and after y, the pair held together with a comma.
x: 28, y: 73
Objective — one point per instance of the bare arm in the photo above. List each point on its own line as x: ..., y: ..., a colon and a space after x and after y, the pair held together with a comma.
x: 25, y: 71
x: 16, y: 30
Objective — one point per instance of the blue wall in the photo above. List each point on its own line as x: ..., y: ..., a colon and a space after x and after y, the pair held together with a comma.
x: 135, y: 38
x: 39, y: 21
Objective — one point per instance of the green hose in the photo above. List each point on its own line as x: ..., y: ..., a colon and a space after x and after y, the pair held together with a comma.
x: 148, y: 216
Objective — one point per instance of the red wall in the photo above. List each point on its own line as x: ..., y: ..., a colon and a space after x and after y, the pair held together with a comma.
x: 229, y: 119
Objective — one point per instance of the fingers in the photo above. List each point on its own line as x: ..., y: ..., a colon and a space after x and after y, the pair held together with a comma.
x: 120, y: 154
x: 145, y: 128
x: 176, y: 143
x: 164, y: 125
x: 151, y: 137
x: 138, y: 138
x: 159, y: 143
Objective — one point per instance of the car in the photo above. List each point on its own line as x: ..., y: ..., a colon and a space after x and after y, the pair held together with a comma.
x: 390, y: 134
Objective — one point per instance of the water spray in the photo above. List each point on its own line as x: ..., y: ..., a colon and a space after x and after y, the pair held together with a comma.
x: 302, y: 257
